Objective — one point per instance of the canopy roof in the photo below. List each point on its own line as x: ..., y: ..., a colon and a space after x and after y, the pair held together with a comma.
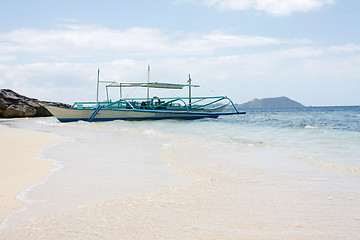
x: 151, y: 85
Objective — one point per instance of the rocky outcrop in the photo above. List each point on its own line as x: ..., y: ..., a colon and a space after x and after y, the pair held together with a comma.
x: 14, y: 105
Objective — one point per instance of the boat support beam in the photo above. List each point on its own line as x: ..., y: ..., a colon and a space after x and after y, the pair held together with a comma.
x: 93, y: 115
x: 232, y: 103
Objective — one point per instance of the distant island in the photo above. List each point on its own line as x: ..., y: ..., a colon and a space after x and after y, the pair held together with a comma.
x: 277, y: 102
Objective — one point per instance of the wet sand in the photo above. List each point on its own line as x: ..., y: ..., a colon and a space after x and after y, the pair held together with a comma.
x: 20, y: 165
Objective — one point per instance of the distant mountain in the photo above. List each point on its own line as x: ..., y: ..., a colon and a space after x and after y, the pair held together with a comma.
x: 278, y: 102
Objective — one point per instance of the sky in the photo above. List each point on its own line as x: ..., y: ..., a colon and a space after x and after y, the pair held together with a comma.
x: 307, y: 50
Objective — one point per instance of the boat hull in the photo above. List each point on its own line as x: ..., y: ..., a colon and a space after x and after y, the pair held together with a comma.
x: 71, y: 114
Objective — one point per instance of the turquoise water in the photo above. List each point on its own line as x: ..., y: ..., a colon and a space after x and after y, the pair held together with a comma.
x: 279, y: 152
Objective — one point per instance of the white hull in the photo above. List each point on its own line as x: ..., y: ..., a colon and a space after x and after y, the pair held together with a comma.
x: 70, y: 114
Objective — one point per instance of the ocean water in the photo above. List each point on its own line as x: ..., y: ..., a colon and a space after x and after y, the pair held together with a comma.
x: 269, y: 174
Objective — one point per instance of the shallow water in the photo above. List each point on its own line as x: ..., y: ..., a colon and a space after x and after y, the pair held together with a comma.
x: 291, y: 174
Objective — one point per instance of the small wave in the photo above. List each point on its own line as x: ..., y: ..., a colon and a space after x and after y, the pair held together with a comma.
x: 250, y: 143
x: 310, y: 127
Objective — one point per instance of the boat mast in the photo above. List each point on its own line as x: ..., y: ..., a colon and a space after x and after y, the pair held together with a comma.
x: 189, y: 81
x: 97, y: 88
x: 148, y: 89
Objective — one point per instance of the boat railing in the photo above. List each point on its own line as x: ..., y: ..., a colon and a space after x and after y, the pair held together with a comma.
x: 85, y: 105
x: 156, y: 103
x: 210, y: 103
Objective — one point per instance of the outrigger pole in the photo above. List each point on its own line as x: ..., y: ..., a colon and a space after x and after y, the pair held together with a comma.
x: 189, y: 81
x: 148, y: 89
x: 97, y: 88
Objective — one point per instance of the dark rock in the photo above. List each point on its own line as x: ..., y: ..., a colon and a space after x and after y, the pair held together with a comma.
x: 14, y: 105
x: 19, y: 110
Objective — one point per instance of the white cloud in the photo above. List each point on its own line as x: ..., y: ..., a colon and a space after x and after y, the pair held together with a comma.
x: 349, y: 48
x: 271, y: 7
x: 299, y: 73
x: 84, y: 41
x: 92, y: 42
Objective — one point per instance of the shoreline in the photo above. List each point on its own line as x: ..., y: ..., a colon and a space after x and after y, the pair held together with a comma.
x: 21, y: 165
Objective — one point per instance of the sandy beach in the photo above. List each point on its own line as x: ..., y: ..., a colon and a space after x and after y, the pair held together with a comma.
x: 128, y: 180
x: 20, y: 165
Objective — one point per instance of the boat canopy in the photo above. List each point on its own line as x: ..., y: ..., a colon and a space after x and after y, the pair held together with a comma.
x: 151, y: 85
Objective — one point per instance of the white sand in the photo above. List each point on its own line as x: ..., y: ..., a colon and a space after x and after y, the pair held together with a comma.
x: 20, y: 165
x: 224, y: 201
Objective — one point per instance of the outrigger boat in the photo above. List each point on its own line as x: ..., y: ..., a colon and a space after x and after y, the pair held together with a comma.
x: 145, y: 108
